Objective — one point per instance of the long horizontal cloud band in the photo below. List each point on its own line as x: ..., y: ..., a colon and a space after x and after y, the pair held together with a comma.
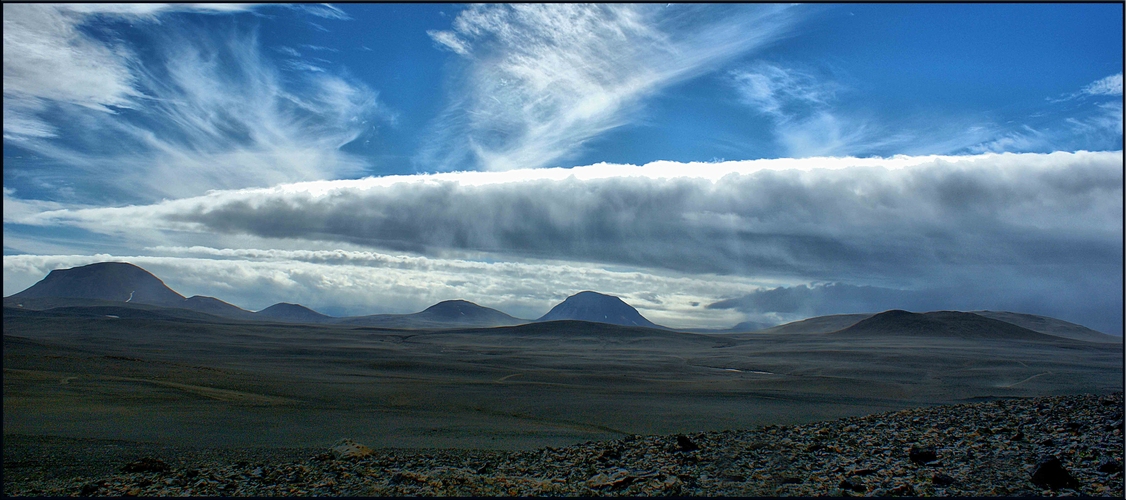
x: 818, y: 218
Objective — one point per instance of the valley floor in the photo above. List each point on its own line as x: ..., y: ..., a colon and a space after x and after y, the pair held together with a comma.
x: 994, y: 448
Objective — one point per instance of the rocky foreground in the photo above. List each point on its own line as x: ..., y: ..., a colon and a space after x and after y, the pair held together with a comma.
x: 1050, y: 446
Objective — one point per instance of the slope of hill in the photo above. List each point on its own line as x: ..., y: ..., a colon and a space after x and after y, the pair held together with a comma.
x: 115, y: 281
x: 212, y: 305
x: 465, y: 313
x: 819, y: 324
x: 744, y: 327
x: 1051, y: 326
x: 938, y: 324
x: 292, y: 313
x: 598, y: 308
x: 447, y: 314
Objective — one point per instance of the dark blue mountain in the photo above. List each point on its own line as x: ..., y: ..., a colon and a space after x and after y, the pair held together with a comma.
x: 599, y: 308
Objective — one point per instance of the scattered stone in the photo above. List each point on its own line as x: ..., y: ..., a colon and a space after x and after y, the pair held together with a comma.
x: 940, y: 479
x: 89, y: 489
x: 922, y: 455
x: 1110, y: 466
x: 346, y: 448
x: 779, y: 460
x: 902, y: 490
x: 1050, y: 473
x: 146, y: 465
x: 685, y: 444
x: 852, y: 486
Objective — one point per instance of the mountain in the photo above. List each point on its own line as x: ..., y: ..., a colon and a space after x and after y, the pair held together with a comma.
x: 292, y: 313
x: 744, y: 327
x: 107, y: 283
x: 212, y: 305
x: 114, y: 281
x: 598, y: 308
x: 1051, y: 326
x: 446, y: 314
x: 465, y: 313
x: 950, y: 324
x: 819, y: 324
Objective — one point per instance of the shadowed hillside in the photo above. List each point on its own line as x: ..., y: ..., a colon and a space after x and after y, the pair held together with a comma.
x: 599, y: 308
x: 1051, y: 326
x: 465, y: 313
x: 447, y: 314
x: 938, y: 324
x: 116, y: 281
x: 292, y: 313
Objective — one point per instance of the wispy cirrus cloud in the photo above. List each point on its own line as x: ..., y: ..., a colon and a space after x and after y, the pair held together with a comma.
x: 47, y: 59
x: 1109, y: 86
x: 799, y: 105
x: 540, y: 79
x: 1093, y: 117
x: 193, y: 113
x: 323, y: 10
x: 781, y: 92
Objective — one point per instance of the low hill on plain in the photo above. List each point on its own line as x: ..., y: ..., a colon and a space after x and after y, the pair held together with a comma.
x: 292, y: 313
x: 1051, y: 326
x: 447, y: 314
x: 938, y: 324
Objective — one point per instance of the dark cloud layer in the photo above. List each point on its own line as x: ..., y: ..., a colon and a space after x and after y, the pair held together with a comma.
x: 1032, y: 233
x: 917, y: 223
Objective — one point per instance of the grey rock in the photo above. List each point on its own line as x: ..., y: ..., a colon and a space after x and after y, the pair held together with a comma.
x: 1050, y: 473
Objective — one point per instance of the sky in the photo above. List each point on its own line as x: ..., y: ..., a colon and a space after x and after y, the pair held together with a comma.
x: 710, y: 164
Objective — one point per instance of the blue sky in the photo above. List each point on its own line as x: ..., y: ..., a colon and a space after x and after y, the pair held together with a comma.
x: 179, y: 136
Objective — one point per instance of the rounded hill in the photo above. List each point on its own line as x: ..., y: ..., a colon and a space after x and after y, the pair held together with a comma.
x: 898, y: 323
x: 598, y: 308
x: 116, y: 281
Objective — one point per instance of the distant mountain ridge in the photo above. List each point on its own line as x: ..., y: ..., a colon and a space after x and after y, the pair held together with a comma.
x: 106, y: 286
x: 599, y: 308
x: 109, y: 284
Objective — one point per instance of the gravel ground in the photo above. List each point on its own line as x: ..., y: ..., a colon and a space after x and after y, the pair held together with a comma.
x: 996, y: 448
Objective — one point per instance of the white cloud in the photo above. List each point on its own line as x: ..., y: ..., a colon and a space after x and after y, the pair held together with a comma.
x: 1111, y: 85
x: 289, y: 51
x: 194, y: 124
x: 46, y: 57
x: 323, y: 10
x: 1108, y: 86
x: 799, y: 105
x: 777, y: 91
x: 543, y: 78
x: 1028, y: 227
x: 449, y: 40
x: 16, y: 209
x: 819, y: 218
